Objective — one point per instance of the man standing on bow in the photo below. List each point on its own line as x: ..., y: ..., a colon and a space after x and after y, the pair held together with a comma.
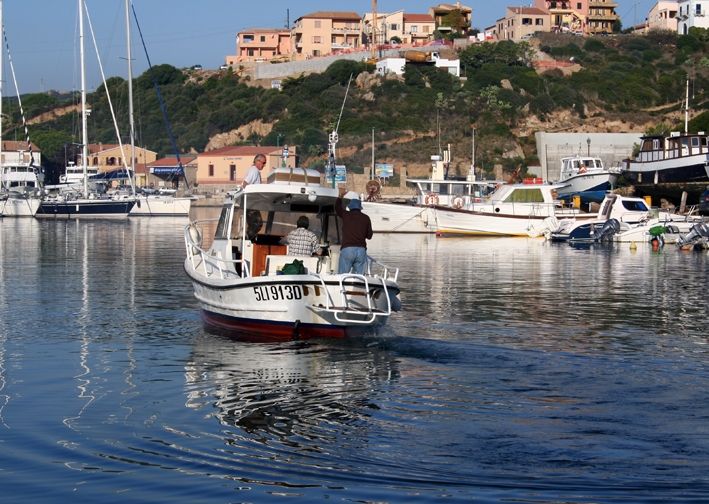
x: 253, y: 176
x: 356, y: 230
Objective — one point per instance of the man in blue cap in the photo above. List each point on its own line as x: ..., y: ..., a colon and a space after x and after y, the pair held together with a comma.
x: 356, y: 230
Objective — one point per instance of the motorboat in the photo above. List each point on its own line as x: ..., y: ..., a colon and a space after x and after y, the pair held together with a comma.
x: 585, y: 177
x: 528, y: 209
x: 161, y: 205
x: 244, y: 280
x: 21, y: 187
x: 623, y: 219
x: 417, y: 215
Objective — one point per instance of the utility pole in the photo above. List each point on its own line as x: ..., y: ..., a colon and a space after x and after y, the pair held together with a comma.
x: 373, y: 42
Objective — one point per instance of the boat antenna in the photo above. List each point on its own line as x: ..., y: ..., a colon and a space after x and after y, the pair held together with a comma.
x: 19, y: 99
x: 334, y: 137
x: 163, y: 108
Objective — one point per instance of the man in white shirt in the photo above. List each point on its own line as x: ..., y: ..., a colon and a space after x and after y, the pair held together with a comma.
x: 253, y: 176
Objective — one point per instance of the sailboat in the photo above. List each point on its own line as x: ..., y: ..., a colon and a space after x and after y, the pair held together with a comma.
x: 163, y: 202
x: 20, y: 179
x: 87, y: 204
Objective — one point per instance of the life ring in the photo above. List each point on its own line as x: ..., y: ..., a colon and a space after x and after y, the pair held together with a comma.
x: 431, y: 199
x: 458, y: 202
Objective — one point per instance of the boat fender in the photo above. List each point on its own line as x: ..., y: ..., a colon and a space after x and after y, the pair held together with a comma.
x: 458, y: 202
x: 431, y: 199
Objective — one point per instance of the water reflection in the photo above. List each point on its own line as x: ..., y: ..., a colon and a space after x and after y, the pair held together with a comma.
x: 287, y: 391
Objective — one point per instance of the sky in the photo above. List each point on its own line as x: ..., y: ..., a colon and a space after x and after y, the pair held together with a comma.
x: 43, y: 34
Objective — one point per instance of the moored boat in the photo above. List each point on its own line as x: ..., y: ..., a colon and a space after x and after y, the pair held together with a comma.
x: 244, y: 280
x: 528, y: 209
x: 585, y: 177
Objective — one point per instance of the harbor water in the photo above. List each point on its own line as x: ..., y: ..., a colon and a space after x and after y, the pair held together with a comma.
x: 518, y: 370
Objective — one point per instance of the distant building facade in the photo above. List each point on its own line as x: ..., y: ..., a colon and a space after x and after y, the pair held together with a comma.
x: 583, y: 17
x: 321, y: 33
x: 263, y: 44
x: 225, y: 168
x: 522, y: 22
x: 663, y: 16
x: 406, y: 27
x: 18, y: 153
x: 108, y: 157
x: 440, y: 11
x: 692, y: 13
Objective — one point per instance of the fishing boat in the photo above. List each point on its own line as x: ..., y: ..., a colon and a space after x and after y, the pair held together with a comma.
x: 417, y: 215
x: 666, y: 166
x: 246, y: 282
x: 528, y: 209
x: 585, y: 177
x: 70, y: 203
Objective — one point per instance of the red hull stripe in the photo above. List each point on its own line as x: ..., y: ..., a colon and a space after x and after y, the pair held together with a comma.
x: 267, y: 330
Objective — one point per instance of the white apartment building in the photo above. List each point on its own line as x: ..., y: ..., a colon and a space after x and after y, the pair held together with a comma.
x: 692, y: 13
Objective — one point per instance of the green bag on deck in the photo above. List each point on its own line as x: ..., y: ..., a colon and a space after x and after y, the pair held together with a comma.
x: 294, y: 268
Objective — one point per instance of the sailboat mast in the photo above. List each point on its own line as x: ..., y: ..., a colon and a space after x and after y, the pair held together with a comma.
x: 84, y: 127
x: 131, y: 119
x: 686, y: 109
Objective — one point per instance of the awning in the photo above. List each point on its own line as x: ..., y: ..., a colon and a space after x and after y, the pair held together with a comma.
x: 120, y: 174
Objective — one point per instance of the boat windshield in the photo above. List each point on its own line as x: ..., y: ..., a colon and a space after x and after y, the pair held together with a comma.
x: 274, y: 225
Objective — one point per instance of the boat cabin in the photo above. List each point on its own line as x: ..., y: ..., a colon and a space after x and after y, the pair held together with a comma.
x: 254, y: 223
x: 578, y: 165
x: 658, y: 147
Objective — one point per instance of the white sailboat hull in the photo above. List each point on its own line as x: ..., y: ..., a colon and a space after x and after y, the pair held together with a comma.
x: 19, y: 206
x: 159, y: 205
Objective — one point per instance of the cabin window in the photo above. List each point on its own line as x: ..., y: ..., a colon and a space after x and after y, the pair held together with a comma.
x: 656, y: 144
x: 525, y: 196
x: 220, y: 233
x: 635, y: 206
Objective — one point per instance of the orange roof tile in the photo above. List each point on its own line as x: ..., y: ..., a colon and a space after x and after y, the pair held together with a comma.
x: 17, y: 145
x: 418, y: 18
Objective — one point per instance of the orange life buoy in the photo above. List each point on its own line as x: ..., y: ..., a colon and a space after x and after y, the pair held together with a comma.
x: 431, y: 199
x: 458, y: 202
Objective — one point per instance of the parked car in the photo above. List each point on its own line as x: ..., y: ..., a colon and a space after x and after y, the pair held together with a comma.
x: 196, y: 67
x: 704, y: 202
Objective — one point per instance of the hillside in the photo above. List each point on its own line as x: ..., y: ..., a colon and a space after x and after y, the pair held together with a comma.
x: 616, y: 83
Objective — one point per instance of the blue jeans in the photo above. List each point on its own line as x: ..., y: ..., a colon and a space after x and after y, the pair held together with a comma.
x: 353, y: 258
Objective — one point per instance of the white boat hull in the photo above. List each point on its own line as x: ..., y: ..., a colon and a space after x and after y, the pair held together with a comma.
x: 465, y: 222
x: 588, y: 182
x: 398, y: 217
x: 288, y: 306
x: 159, y: 205
x: 19, y: 207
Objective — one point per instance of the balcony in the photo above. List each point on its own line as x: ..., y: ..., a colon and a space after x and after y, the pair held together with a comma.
x: 599, y: 3
x: 602, y: 17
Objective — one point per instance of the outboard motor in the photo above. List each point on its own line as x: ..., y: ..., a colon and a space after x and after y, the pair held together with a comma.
x: 696, y: 233
x: 610, y: 227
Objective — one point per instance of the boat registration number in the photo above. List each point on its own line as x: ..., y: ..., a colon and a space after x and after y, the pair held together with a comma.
x: 276, y: 292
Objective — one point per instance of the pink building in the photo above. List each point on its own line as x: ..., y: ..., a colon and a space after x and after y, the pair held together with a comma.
x: 263, y: 44
x: 324, y: 32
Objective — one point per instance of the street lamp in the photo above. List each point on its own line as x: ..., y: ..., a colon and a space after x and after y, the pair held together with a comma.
x: 588, y: 143
x: 280, y: 135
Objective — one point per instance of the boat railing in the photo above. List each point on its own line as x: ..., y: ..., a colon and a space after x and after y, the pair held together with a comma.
x: 346, y: 312
x: 207, y: 263
x: 381, y: 270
